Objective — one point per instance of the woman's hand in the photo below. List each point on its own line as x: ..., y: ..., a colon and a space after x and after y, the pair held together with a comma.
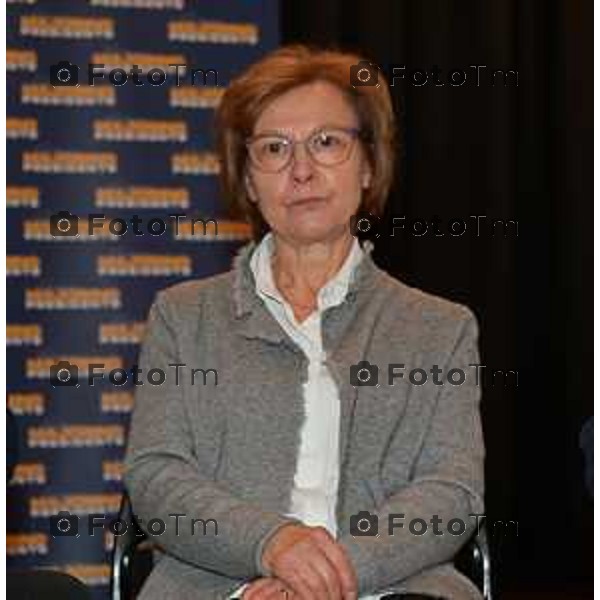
x: 311, y: 563
x: 268, y: 588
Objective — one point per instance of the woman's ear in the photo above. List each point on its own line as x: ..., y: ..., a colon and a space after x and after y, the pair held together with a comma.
x: 250, y: 190
x: 366, y: 177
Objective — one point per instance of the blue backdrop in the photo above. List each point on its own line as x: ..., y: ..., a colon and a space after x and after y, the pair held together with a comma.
x: 121, y: 151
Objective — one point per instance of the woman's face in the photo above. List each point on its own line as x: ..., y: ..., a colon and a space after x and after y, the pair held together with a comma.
x: 307, y: 202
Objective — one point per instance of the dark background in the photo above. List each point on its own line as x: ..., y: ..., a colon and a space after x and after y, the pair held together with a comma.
x: 508, y: 152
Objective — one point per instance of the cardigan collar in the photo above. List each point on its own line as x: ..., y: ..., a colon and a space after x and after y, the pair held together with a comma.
x: 246, y: 299
x: 331, y: 293
x: 347, y: 328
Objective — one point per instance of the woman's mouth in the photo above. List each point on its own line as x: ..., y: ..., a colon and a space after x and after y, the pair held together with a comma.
x: 308, y: 201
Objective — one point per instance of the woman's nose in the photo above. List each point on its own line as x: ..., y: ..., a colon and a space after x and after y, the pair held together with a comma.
x: 302, y: 163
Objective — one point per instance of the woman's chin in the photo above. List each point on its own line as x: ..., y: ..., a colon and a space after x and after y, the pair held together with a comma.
x: 308, y: 233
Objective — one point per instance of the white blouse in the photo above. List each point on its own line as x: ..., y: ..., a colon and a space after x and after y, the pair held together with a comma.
x: 314, y: 495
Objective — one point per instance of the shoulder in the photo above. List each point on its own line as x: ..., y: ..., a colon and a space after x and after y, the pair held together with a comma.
x: 413, y: 312
x: 186, y: 299
x: 192, y: 290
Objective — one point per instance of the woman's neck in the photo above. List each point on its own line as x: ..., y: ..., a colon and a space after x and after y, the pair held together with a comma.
x: 300, y: 271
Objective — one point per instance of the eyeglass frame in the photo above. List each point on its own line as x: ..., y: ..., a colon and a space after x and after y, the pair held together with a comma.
x: 357, y: 133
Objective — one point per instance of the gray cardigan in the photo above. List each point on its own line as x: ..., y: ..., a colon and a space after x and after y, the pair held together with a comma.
x: 228, y: 451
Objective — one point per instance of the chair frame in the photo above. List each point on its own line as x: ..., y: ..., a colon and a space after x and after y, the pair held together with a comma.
x: 126, y: 545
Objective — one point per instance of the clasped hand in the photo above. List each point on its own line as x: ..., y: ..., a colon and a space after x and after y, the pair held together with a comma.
x: 306, y: 563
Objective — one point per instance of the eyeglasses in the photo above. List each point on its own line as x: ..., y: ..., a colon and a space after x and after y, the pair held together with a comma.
x: 328, y: 147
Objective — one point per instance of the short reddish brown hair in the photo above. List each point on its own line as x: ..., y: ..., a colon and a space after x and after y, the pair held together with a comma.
x: 278, y: 72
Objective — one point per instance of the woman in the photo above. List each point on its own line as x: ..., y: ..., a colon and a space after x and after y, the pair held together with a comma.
x: 296, y: 443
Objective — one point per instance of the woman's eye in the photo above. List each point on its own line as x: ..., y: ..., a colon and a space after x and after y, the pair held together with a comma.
x: 274, y: 147
x: 327, y: 140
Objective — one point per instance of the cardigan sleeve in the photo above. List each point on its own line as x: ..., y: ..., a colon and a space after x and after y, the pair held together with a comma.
x: 164, y: 478
x: 446, y: 482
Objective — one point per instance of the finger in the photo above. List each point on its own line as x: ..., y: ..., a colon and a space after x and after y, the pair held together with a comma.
x: 299, y: 583
x: 327, y: 573
x: 301, y: 577
x: 275, y: 591
x: 292, y: 569
x: 254, y: 590
x: 279, y: 592
x: 337, y: 556
x: 319, y: 578
x: 306, y: 569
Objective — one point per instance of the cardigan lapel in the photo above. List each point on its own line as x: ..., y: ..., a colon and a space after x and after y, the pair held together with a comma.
x: 347, y: 329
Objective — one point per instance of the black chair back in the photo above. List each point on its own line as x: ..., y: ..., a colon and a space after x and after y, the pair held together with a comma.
x: 33, y: 584
x: 132, y: 558
x: 475, y: 562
